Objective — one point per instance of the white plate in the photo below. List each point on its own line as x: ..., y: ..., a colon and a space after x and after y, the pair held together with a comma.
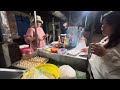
x: 23, y: 46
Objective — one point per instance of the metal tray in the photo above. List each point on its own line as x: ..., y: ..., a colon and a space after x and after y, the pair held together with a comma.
x: 15, y: 64
x: 11, y: 73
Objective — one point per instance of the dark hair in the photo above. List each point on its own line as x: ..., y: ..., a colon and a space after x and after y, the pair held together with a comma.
x: 113, y: 19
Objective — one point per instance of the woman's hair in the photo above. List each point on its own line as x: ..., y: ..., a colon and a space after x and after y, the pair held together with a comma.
x: 113, y: 19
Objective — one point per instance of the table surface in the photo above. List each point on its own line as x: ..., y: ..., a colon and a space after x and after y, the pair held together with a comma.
x: 77, y: 61
x: 74, y: 52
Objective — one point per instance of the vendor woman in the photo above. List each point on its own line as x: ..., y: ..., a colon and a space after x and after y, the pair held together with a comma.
x: 30, y: 36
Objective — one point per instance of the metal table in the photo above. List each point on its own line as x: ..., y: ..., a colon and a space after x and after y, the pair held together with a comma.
x: 78, y: 62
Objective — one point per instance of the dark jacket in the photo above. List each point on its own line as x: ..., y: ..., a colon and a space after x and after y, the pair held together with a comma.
x: 63, y: 30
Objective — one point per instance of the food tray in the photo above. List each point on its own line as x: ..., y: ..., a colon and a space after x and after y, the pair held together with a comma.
x: 26, y: 64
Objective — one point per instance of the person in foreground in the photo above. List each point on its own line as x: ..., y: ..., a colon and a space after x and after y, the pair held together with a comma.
x: 105, y: 58
x: 30, y: 36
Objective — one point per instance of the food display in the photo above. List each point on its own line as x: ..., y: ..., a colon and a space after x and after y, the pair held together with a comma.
x: 67, y: 72
x: 56, y: 45
x: 42, y: 71
x: 31, y: 62
x: 54, y: 50
x: 51, y: 71
x: 38, y: 59
x: 34, y: 73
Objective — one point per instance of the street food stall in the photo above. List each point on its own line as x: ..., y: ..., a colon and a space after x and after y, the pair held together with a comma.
x: 62, y: 59
x: 56, y: 57
x: 66, y: 57
x: 56, y: 54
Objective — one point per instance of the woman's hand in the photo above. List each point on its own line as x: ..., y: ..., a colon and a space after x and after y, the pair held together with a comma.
x: 97, y: 49
x: 85, y: 50
x: 27, y: 38
x: 45, y: 36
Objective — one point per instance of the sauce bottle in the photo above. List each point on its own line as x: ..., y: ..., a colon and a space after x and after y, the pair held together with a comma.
x: 65, y: 42
x: 59, y: 40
